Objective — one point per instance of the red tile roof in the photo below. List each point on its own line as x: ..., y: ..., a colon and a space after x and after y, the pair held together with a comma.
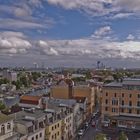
x: 28, y: 99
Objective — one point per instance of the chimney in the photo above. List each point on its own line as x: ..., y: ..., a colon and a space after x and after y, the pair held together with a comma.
x: 70, y: 89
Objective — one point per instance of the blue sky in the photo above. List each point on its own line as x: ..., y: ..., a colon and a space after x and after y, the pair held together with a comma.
x: 70, y: 32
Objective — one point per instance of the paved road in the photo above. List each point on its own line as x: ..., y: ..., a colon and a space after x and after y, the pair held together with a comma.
x: 91, y: 132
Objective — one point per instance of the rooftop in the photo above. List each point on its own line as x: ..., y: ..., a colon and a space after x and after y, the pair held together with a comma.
x: 30, y: 98
x: 114, y: 84
x: 4, y: 118
x: 127, y: 81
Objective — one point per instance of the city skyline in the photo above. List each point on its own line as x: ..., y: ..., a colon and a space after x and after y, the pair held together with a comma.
x: 70, y: 33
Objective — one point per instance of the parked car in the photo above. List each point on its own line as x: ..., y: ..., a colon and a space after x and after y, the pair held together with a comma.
x: 136, y: 131
x: 105, y: 125
x: 80, y: 132
x: 86, y: 124
x: 93, y: 124
x: 93, y: 115
x: 108, y: 138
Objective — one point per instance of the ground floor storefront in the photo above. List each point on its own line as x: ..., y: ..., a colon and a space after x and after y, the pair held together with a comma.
x: 125, y: 122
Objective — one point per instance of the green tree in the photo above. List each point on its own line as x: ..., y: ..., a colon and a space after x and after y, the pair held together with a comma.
x: 122, y: 136
x: 100, y: 137
x: 24, y: 81
x: 4, y: 81
x: 17, y: 83
x: 36, y: 75
x: 2, y: 106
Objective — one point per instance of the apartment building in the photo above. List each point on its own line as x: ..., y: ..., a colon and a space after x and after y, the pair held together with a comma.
x: 66, y: 90
x: 59, y: 122
x: 87, y: 92
x: 30, y: 124
x: 78, y: 107
x: 121, y: 104
x: 67, y: 123
x: 53, y: 129
x: 6, y: 126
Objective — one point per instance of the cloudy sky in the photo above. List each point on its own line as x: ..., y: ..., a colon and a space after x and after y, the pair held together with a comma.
x: 70, y: 32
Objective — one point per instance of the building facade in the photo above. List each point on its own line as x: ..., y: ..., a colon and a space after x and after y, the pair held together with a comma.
x: 6, y: 127
x: 121, y: 104
x: 69, y: 91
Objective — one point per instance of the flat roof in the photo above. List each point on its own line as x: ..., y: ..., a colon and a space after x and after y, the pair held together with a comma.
x: 113, y: 84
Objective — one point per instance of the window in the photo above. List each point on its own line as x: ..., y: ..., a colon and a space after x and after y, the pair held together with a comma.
x: 122, y: 110
x: 138, y: 95
x: 130, y: 111
x: 113, y: 109
x: 32, y: 138
x: 138, y: 103
x: 36, y: 137
x: 58, y: 125
x: 138, y: 111
x: 106, y: 94
x: 122, y: 102
x: 130, y: 95
x: 55, y: 136
x: 106, y: 108
x: 106, y: 101
x: 55, y: 126
x: 114, y: 102
x: 2, y: 129
x: 122, y: 94
x: 115, y: 95
x: 52, y: 127
x: 40, y: 135
x: 130, y: 103
x: 58, y: 133
x: 52, y: 136
x: 8, y: 126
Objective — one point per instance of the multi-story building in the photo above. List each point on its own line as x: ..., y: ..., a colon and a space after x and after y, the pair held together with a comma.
x: 66, y: 90
x: 30, y: 124
x: 87, y: 92
x: 53, y: 124
x: 78, y: 107
x: 59, y: 124
x: 6, y: 127
x: 10, y: 75
x: 67, y: 123
x: 121, y: 103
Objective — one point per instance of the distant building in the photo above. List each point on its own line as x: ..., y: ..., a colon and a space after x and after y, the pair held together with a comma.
x: 121, y: 104
x: 6, y: 127
x: 10, y: 75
